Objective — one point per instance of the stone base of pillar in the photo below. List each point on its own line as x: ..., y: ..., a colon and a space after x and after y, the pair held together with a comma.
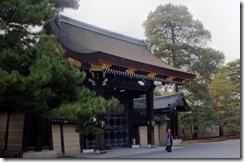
x: 87, y: 150
x: 98, y: 152
x: 135, y: 146
x: 41, y: 154
x: 150, y: 146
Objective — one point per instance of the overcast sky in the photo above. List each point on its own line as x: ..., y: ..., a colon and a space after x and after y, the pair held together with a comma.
x: 220, y: 17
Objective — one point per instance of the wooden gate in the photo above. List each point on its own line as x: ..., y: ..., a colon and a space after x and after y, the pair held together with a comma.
x: 116, y: 130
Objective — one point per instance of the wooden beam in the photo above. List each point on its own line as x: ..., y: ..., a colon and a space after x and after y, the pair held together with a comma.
x: 127, y: 63
x: 98, y: 66
x: 123, y: 83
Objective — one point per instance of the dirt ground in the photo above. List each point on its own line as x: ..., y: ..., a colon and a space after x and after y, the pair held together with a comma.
x: 210, y: 139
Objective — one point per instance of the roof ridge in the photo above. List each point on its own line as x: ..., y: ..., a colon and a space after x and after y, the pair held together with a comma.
x: 100, y: 30
x: 156, y: 97
x: 169, y: 95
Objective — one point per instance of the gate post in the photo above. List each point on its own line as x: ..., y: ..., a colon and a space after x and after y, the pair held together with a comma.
x: 100, y: 137
x: 150, y: 116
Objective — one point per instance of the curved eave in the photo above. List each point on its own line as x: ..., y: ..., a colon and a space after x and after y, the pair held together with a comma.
x: 108, y: 59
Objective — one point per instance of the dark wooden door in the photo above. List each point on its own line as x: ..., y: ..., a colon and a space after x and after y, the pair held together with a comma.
x: 116, y: 130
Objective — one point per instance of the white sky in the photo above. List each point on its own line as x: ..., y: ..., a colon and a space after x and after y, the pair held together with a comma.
x: 220, y: 17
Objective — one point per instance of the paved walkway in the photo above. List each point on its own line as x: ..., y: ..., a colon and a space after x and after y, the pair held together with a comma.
x: 120, y: 152
x: 114, y: 152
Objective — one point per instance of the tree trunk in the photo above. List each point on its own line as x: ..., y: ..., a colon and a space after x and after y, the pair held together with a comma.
x: 195, y: 132
x: 221, y: 130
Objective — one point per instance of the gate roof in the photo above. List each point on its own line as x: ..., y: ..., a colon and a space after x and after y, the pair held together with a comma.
x: 86, y: 43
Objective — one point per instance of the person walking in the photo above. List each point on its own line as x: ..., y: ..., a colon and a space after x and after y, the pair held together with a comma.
x: 169, y: 140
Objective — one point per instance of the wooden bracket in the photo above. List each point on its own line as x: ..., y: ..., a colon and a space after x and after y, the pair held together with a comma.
x: 170, y: 78
x: 131, y: 70
x: 74, y: 61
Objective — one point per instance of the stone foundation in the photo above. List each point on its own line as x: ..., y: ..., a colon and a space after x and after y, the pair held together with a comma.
x: 45, y: 154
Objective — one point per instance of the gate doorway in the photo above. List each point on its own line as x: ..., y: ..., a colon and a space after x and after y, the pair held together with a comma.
x: 116, y: 130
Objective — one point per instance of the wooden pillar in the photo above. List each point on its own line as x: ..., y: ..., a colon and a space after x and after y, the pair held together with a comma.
x: 172, y: 127
x: 50, y: 134
x: 150, y: 117
x: 82, y: 141
x: 6, y: 132
x: 100, y: 137
x: 176, y: 118
x: 129, y: 111
x: 39, y: 133
x: 26, y: 133
x: 62, y: 138
x: 176, y: 125
x: 173, y: 124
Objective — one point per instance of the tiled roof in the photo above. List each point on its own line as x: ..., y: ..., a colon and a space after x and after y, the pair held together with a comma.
x: 164, y: 103
x: 85, y: 38
x: 97, y: 44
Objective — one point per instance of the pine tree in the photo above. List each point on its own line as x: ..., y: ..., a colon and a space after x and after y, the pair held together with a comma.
x: 226, y: 89
x: 174, y: 35
x: 181, y: 41
x: 34, y: 75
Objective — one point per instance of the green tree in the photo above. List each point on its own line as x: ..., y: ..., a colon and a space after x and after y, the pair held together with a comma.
x: 181, y: 41
x: 174, y: 35
x: 34, y: 75
x: 203, y: 113
x: 206, y: 62
x: 234, y: 71
x: 226, y: 90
